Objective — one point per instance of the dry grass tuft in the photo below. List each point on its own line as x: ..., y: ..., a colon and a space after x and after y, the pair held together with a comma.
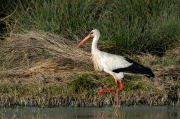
x: 31, y: 52
x: 26, y: 57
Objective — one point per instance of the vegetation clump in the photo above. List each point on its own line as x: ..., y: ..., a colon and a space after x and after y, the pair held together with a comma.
x: 126, y: 26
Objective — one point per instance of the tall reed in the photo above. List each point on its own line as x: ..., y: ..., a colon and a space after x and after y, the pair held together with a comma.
x: 129, y: 26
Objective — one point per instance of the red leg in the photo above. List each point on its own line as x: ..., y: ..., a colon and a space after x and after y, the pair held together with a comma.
x: 121, y: 85
x: 117, y: 90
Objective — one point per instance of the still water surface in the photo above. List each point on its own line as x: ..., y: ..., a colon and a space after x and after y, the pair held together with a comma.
x: 130, y: 112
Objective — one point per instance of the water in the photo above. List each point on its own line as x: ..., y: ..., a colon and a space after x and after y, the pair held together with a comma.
x: 131, y: 112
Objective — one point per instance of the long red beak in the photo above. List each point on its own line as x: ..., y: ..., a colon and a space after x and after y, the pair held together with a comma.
x: 85, y: 39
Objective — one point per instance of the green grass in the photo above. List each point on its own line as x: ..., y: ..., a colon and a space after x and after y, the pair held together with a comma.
x: 83, y: 83
x: 125, y: 25
x: 24, y: 90
x: 16, y: 89
x: 80, y: 84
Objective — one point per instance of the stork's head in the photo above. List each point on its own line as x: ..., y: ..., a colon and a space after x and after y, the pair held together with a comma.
x: 92, y: 34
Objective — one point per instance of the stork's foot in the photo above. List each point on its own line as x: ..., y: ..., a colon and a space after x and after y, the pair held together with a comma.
x: 117, y: 89
x: 101, y: 91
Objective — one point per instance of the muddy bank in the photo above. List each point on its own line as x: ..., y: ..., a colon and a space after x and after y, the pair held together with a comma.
x: 41, y: 69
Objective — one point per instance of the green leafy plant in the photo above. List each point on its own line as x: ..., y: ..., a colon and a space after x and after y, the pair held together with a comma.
x: 81, y: 83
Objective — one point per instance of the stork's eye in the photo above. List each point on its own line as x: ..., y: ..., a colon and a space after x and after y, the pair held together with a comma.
x: 91, y: 33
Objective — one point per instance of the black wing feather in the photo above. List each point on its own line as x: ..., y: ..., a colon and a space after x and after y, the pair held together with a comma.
x: 136, y: 68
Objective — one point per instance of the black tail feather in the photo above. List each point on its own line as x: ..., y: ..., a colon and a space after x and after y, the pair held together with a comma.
x: 136, y: 68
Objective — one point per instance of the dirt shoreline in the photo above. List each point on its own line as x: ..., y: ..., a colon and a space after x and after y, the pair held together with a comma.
x: 124, y: 99
x: 38, y: 69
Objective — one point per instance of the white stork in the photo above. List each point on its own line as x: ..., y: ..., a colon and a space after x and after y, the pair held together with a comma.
x: 115, y: 65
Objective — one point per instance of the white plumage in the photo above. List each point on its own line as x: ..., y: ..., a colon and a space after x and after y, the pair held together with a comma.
x: 109, y: 62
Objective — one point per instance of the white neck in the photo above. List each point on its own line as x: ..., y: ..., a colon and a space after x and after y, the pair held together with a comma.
x: 94, y: 43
